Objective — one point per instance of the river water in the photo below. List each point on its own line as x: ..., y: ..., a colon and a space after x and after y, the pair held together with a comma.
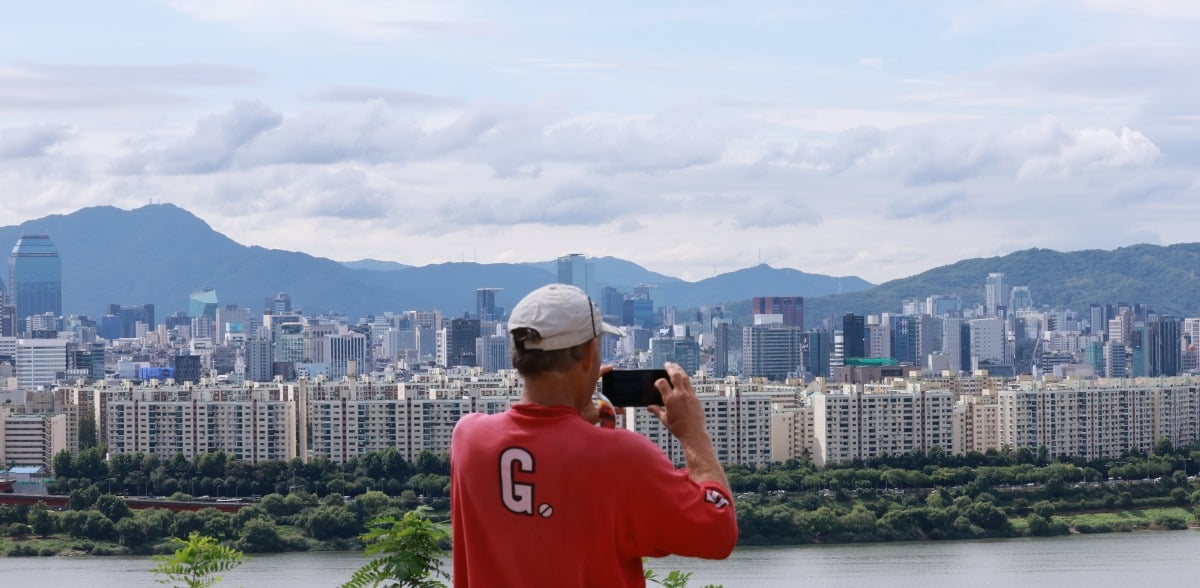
x: 1147, y: 558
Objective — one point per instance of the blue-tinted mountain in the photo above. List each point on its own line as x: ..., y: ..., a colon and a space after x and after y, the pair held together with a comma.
x: 375, y: 264
x: 160, y: 253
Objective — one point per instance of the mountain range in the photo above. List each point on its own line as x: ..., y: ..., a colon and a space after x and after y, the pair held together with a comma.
x: 160, y: 253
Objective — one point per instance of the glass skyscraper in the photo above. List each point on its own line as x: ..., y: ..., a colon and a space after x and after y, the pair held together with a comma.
x: 34, y: 278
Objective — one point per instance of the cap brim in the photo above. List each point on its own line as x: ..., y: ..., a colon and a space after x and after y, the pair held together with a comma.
x: 611, y: 330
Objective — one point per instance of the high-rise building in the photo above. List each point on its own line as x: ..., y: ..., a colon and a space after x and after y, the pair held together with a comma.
x: 8, y: 320
x: 611, y: 303
x: 485, y: 304
x: 854, y: 336
x: 347, y: 354
x: 906, y: 340
x: 791, y: 308
x: 987, y: 341
x: 683, y: 351
x: 772, y: 351
x: 577, y: 270
x: 995, y: 294
x: 258, y: 360
x: 1166, y: 344
x: 494, y: 353
x: 187, y: 368
x: 203, y: 303
x: 281, y: 303
x: 1020, y: 299
x: 460, y: 342
x: 720, y: 348
x: 1098, y: 318
x: 39, y: 362
x: 817, y: 347
x: 35, y: 278
x: 121, y: 321
x: 942, y: 305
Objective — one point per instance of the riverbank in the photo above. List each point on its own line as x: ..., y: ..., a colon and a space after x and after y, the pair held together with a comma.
x: 1171, y: 518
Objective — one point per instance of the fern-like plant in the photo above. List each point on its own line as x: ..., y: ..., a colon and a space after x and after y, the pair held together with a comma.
x: 407, y: 552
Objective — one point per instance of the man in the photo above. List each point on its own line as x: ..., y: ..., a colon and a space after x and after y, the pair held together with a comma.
x: 540, y: 496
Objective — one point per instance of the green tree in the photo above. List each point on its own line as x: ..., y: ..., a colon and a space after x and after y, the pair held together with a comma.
x: 113, y: 507
x: 260, y: 535
x: 196, y: 562
x: 87, y: 430
x: 409, y: 552
x: 41, y: 520
x: 132, y: 532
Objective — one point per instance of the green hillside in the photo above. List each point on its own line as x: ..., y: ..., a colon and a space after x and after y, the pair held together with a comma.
x: 1161, y: 277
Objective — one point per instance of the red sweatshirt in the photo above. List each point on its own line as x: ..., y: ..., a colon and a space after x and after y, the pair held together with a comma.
x: 539, y: 497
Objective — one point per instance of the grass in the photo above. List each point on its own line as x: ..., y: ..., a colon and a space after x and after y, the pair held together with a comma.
x: 58, y: 544
x: 1132, y: 518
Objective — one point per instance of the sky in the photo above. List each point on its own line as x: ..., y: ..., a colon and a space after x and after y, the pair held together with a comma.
x: 877, y: 139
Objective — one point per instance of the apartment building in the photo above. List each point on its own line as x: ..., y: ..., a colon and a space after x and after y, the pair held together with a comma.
x: 862, y: 421
x: 31, y: 439
x: 247, y: 422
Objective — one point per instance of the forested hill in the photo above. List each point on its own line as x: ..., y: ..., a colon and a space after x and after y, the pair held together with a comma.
x: 1161, y: 277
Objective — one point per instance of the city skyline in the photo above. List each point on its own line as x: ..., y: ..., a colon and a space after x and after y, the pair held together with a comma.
x: 693, y: 138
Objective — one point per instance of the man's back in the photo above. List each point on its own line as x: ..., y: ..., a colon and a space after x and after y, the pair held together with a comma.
x: 542, y: 498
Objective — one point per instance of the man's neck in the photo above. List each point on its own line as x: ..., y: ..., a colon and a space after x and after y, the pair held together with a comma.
x: 552, y: 389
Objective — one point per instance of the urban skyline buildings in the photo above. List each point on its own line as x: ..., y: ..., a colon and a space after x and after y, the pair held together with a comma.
x: 34, y: 278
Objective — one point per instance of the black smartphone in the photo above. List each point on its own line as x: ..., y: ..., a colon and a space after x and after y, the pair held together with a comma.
x: 633, y: 387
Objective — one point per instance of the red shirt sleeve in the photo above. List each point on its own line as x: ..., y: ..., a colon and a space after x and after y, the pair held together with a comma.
x: 670, y: 513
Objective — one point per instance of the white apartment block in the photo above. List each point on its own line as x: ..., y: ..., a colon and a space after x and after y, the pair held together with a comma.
x: 31, y: 439
x: 246, y: 422
x: 38, y: 361
x: 862, y: 421
x: 1099, y: 419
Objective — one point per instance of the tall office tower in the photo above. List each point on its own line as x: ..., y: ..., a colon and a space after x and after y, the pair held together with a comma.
x: 906, y: 340
x: 995, y: 294
x: 258, y: 360
x: 347, y: 354
x: 942, y: 304
x: 203, y: 303
x: 234, y: 322
x: 611, y: 303
x: 204, y: 328
x: 879, y: 340
x: 1098, y: 319
x: 817, y: 347
x: 929, y: 336
x: 460, y: 342
x: 578, y: 270
x: 485, y: 304
x: 187, y: 368
x: 638, y: 312
x: 1020, y: 299
x: 790, y: 307
x: 494, y: 352
x: 720, y: 348
x: 121, y: 321
x: 854, y: 335
x: 772, y: 351
x: 1120, y: 328
x: 953, y: 343
x: 1166, y: 344
x: 987, y: 341
x: 683, y: 351
x: 35, y: 278
x: 288, y: 342
x: 1116, y: 364
x: 281, y: 303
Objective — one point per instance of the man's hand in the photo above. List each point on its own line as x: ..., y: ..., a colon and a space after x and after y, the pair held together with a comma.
x: 590, y: 411
x: 683, y: 414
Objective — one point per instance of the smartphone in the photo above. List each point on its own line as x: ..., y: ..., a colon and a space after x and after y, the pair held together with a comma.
x: 633, y: 387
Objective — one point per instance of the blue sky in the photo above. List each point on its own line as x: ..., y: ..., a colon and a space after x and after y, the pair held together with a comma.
x: 877, y: 139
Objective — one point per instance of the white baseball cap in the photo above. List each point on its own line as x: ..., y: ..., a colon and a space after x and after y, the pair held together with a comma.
x: 562, y: 314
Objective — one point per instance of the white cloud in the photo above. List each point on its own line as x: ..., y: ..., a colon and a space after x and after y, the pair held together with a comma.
x: 30, y: 141
x: 1092, y: 149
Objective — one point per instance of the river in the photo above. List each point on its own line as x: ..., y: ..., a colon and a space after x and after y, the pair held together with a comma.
x: 1146, y: 558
